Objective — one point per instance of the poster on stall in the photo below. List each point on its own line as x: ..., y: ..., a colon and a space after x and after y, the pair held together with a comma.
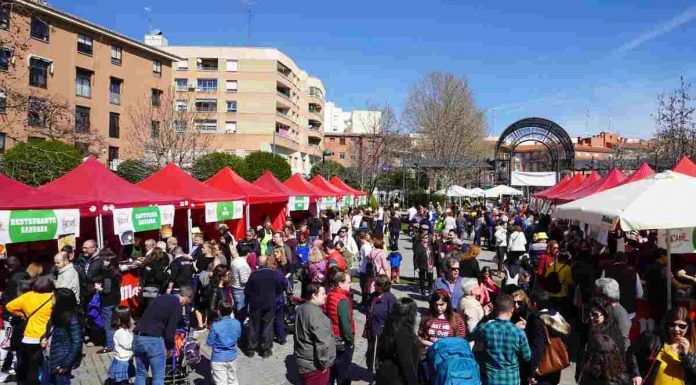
x: 143, y: 218
x: 37, y: 225
x: 328, y: 203
x: 298, y: 203
x: 223, y: 211
x: 682, y: 240
x: 347, y: 201
x: 362, y: 200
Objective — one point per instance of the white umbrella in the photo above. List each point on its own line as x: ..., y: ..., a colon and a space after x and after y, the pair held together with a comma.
x: 501, y: 189
x: 455, y: 191
x: 661, y: 202
x: 477, y: 192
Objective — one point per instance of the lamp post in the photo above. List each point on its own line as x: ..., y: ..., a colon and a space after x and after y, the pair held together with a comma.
x: 324, y: 154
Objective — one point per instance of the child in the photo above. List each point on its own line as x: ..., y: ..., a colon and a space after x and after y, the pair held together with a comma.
x: 395, y: 262
x: 121, y: 369
x: 223, y: 337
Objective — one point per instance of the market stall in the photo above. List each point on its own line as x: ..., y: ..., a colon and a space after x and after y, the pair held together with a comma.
x: 261, y: 202
x: 360, y: 196
x: 642, y: 172
x: 501, y: 190
x: 561, y: 184
x: 614, y: 178
x: 300, y: 202
x: 685, y: 166
x: 332, y: 196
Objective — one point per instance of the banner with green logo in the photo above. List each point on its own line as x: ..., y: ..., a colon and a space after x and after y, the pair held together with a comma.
x: 362, y: 200
x: 143, y: 218
x: 682, y: 241
x: 347, y: 201
x: 328, y: 203
x: 37, y: 225
x: 223, y: 211
x: 298, y: 203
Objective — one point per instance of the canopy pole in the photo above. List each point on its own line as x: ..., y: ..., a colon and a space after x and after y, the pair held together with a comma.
x: 668, y: 241
x: 247, y: 213
x: 100, y: 232
x: 189, y: 223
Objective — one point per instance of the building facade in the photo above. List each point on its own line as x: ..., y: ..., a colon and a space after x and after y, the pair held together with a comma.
x: 335, y: 119
x: 256, y: 99
x: 62, y: 77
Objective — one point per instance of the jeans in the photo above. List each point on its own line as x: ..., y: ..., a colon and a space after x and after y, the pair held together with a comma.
x: 105, y: 313
x: 29, y: 364
x: 224, y: 373
x: 260, y: 336
x: 150, y: 354
x: 340, y: 373
x: 240, y: 306
x: 363, y: 291
x: 425, y: 280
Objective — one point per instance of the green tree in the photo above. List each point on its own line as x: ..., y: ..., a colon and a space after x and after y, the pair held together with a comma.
x: 257, y: 162
x: 134, y: 170
x: 209, y: 164
x: 330, y: 168
x: 36, y: 163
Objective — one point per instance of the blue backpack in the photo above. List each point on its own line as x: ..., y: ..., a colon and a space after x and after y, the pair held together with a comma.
x: 452, y: 362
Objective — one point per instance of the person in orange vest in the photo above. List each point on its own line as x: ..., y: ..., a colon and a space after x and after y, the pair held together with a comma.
x: 336, y: 256
x: 339, y: 308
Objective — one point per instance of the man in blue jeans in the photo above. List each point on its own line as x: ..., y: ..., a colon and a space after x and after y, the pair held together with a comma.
x: 155, y: 333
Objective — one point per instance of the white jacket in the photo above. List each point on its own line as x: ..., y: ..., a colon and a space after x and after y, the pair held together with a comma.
x: 500, y: 237
x: 517, y: 241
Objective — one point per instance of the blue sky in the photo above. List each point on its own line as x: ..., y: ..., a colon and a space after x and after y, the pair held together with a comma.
x: 587, y: 65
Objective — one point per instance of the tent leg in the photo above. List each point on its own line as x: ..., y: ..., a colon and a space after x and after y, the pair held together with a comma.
x: 100, y: 232
x: 189, y: 223
x: 668, y: 241
x: 247, y: 213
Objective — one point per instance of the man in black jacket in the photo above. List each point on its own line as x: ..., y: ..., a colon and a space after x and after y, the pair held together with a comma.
x: 250, y: 243
x: 261, y: 290
x: 180, y: 271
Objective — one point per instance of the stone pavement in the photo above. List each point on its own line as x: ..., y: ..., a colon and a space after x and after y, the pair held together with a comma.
x: 280, y: 368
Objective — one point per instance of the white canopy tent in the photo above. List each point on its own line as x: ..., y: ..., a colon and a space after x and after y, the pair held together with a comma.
x: 455, y: 191
x: 659, y: 202
x: 477, y: 192
x: 500, y: 190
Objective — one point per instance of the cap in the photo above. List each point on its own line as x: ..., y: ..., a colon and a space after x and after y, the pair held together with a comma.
x: 540, y: 236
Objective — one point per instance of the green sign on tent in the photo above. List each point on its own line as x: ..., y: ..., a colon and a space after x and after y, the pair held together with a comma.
x: 143, y: 218
x: 37, y: 225
x: 298, y: 203
x: 223, y: 211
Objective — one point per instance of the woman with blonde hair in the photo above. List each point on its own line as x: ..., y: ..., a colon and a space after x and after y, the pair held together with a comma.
x: 469, y: 266
x: 211, y: 250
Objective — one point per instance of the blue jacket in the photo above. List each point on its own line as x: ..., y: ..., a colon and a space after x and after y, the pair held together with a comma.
x: 395, y: 259
x: 456, y: 293
x: 262, y: 289
x: 382, y: 307
x: 66, y: 345
x: 223, y: 338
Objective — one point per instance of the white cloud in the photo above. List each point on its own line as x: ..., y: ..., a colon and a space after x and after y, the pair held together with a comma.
x: 658, y: 31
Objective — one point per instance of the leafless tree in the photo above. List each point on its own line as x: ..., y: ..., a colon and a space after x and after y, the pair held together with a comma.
x: 167, y: 128
x: 675, y: 134
x: 442, y: 110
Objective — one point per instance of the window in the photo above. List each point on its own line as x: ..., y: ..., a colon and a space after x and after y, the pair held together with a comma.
x: 156, y: 97
x: 83, y: 83
x: 342, y: 155
x: 3, y: 102
x: 206, y: 125
x: 231, y: 106
x: 115, y: 85
x: 4, y: 20
x: 116, y: 55
x: 38, y: 72
x: 154, y: 129
x: 231, y: 86
x: 182, y: 65
x: 36, y: 112
x: 81, y: 119
x: 2, y: 142
x: 114, y: 125
x: 84, y: 44
x: 207, y: 64
x: 332, y: 139
x: 342, y: 141
x: 157, y: 68
x: 206, y: 105
x: 113, y: 154
x: 181, y: 105
x: 181, y: 84
x: 232, y: 65
x: 39, y: 29
x: 5, y: 58
x: 180, y: 126
x: 230, y: 127
x: 206, y: 85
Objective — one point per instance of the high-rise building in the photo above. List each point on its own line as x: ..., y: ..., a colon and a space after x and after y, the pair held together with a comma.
x: 63, y: 77
x: 256, y: 99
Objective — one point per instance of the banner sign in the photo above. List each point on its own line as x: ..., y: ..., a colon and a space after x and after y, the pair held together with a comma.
x: 682, y: 240
x: 143, y: 218
x: 130, y: 289
x: 328, y: 203
x: 347, y: 201
x: 298, y: 203
x: 37, y: 225
x: 223, y: 211
x: 527, y: 178
x: 362, y: 200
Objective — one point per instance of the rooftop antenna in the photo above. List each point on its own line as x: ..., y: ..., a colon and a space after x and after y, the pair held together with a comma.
x: 248, y: 4
x: 148, y: 10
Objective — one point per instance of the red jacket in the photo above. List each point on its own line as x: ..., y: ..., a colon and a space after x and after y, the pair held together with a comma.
x: 335, y: 296
x: 339, y: 261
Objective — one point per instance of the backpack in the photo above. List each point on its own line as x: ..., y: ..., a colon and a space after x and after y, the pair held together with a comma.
x: 452, y: 362
x: 316, y: 272
x: 552, y: 282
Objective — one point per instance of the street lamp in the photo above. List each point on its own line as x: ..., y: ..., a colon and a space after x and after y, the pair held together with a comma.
x: 324, y: 154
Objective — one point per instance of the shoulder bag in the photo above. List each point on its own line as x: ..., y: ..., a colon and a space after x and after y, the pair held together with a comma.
x: 555, y: 357
x: 17, y: 332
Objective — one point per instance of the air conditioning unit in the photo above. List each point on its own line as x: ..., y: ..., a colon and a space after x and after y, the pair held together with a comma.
x: 191, y: 86
x: 230, y: 131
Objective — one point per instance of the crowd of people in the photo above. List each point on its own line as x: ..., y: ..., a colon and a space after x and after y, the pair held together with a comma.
x: 552, y: 295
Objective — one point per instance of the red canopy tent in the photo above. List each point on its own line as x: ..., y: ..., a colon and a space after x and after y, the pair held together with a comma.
x: 298, y: 183
x: 319, y: 182
x: 271, y: 183
x: 611, y: 180
x: 18, y: 196
x: 642, y: 172
x: 337, y: 182
x: 173, y: 180
x: 592, y: 178
x: 572, y: 184
x: 685, y: 166
x: 542, y: 194
x: 261, y: 201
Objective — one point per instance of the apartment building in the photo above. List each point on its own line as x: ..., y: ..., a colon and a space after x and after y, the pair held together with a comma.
x: 62, y: 64
x: 255, y: 99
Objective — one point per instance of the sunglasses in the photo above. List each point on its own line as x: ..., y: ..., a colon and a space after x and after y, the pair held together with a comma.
x: 596, y: 314
x: 454, y: 268
x: 678, y: 325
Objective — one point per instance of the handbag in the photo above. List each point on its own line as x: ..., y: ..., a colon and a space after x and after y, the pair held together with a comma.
x: 7, y: 339
x: 555, y: 357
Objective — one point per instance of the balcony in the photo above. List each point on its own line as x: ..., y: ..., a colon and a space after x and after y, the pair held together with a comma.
x: 313, y: 133
x: 207, y: 64
x: 285, y: 118
x: 284, y: 70
x: 285, y: 131
x: 314, y: 125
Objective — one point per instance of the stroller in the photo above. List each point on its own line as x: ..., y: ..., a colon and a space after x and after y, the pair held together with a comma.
x: 184, y: 356
x: 290, y: 311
